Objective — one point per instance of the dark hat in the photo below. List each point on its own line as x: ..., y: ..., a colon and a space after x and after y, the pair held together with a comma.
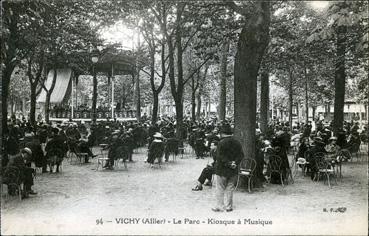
x: 226, y: 129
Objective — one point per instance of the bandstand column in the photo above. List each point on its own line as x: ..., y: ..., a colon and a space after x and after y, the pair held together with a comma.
x: 112, y: 91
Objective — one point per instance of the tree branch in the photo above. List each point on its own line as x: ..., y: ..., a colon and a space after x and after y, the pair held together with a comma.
x: 198, y: 68
x: 236, y: 8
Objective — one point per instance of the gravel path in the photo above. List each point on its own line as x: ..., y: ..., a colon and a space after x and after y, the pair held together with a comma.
x: 156, y: 200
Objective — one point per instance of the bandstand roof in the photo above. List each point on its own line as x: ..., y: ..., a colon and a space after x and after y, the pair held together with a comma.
x: 121, y: 63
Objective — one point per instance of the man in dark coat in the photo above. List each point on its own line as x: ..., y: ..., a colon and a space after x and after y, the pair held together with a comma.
x: 114, y: 150
x: 55, y: 150
x: 22, y: 162
x: 228, y: 157
x: 38, y: 156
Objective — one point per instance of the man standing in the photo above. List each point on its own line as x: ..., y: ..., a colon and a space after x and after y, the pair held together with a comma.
x: 228, y: 157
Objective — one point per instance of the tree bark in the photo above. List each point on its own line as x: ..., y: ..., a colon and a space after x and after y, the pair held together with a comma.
x: 223, y: 81
x: 339, y: 80
x: 156, y: 91
x: 264, y: 101
x: 290, y: 97
x: 252, y: 43
x: 94, y: 95
x: 138, y: 96
x: 32, y: 114
x: 306, y: 96
x: 34, y: 82
x: 297, y: 112
x: 193, y: 99
x: 198, y: 98
x: 48, y: 96
x: 7, y: 72
x: 155, y: 107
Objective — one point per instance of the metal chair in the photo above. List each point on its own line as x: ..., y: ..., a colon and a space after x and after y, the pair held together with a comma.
x: 274, y: 166
x: 355, y: 151
x: 101, y: 162
x: 325, y: 169
x: 246, y: 169
x: 79, y: 156
x: 346, y: 154
x: 12, y: 178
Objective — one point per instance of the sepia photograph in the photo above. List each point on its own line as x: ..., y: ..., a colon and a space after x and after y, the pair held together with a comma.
x: 184, y: 117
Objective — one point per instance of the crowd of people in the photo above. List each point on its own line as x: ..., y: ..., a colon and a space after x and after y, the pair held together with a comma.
x: 46, y: 145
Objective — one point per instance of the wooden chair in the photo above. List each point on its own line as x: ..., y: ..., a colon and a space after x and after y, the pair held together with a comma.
x: 246, y: 169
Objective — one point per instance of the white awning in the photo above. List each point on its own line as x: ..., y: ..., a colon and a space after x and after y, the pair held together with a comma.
x: 62, y: 85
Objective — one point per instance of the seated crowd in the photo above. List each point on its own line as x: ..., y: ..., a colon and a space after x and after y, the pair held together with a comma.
x: 46, y: 145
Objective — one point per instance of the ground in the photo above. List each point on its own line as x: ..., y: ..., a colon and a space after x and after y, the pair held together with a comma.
x: 77, y: 200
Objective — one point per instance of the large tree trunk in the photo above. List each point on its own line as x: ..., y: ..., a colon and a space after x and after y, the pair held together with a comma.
x: 339, y: 81
x: 290, y: 97
x: 32, y: 114
x: 251, y: 46
x: 155, y: 107
x: 94, y: 96
x: 223, y: 81
x: 264, y: 101
x: 178, y: 98
x: 7, y: 72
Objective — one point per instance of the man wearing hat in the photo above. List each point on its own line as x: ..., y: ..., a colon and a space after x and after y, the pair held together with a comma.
x: 228, y: 157
x: 156, y: 149
x: 114, y: 149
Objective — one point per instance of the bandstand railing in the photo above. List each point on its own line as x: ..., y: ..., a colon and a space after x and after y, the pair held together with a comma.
x: 87, y: 114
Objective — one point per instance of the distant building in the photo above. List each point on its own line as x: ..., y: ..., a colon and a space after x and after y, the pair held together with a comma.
x: 352, y: 112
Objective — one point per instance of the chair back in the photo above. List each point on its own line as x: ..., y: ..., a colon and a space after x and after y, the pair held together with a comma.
x: 319, y: 156
x: 275, y: 163
x: 323, y: 164
x: 307, y: 155
x: 247, y: 164
x: 344, y: 153
x: 355, y: 148
x: 11, y: 175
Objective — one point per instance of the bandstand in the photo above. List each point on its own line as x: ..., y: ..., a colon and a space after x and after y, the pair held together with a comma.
x: 108, y: 63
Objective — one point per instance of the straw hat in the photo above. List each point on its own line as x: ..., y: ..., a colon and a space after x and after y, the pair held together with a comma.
x: 158, y: 135
x: 27, y: 150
